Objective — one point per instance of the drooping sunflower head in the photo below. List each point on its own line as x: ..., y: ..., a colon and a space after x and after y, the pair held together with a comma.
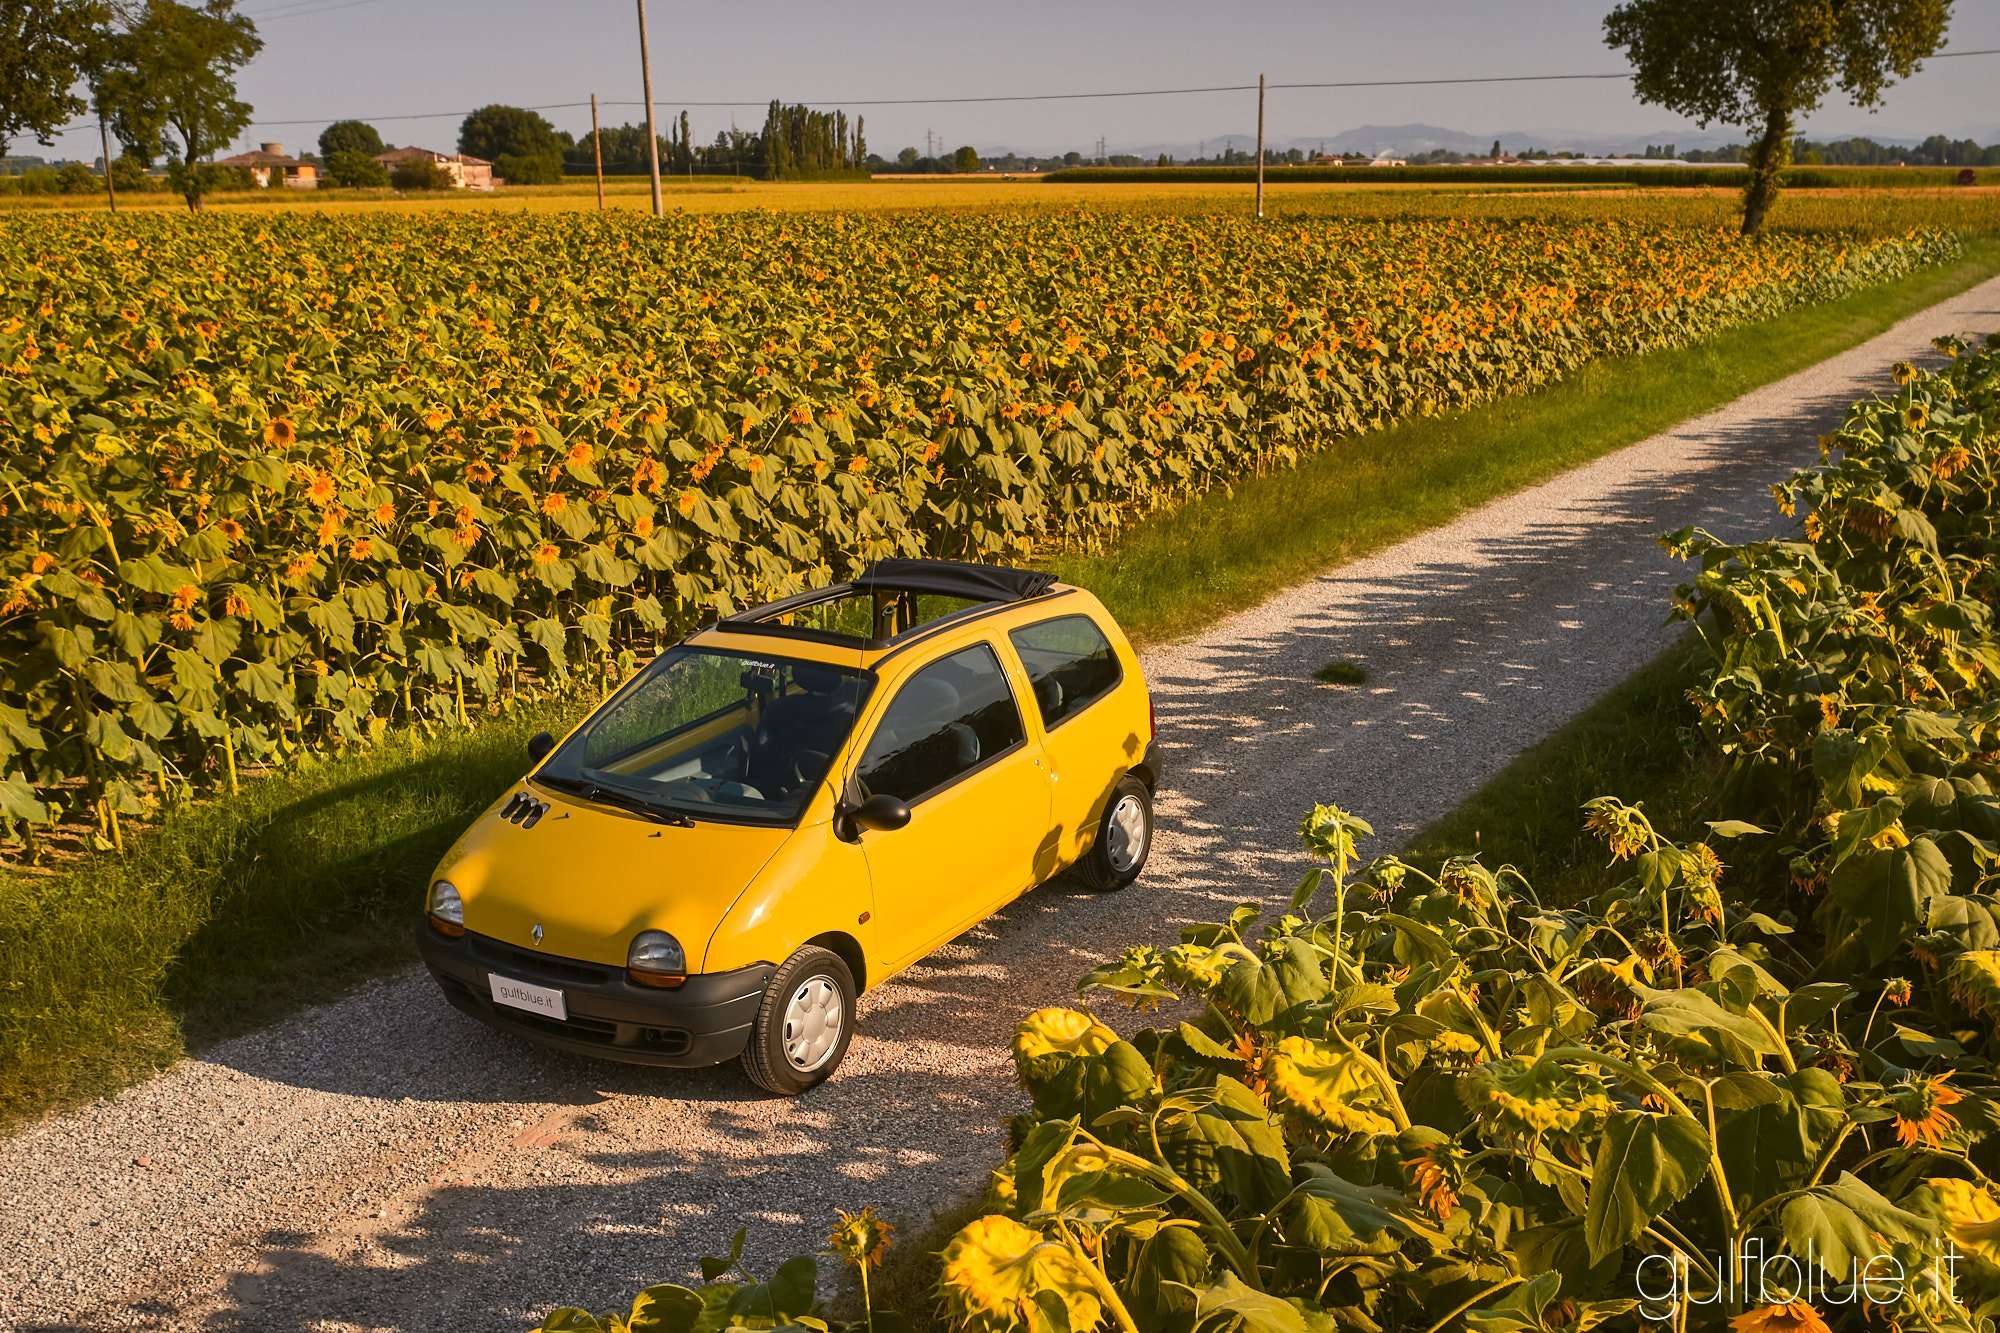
x: 1326, y: 1085
x: 1620, y: 827
x: 1060, y: 1032
x: 860, y: 1239
x: 1972, y: 1216
x: 1919, y: 1110
x: 1195, y: 967
x: 1524, y: 1096
x: 1974, y: 981
x: 995, y: 1269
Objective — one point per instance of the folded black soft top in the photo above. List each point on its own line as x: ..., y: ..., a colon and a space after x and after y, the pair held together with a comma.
x: 955, y: 578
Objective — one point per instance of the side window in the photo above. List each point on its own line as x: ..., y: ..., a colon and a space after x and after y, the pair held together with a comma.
x: 1070, y: 663
x: 948, y: 719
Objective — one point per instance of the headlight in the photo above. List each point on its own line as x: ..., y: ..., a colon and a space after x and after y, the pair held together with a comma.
x: 446, y: 908
x: 656, y: 959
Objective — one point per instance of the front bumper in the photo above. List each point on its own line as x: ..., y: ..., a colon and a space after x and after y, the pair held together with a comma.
x: 706, y: 1022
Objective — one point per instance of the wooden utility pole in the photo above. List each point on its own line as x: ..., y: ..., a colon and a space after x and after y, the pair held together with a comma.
x: 652, y: 135
x: 597, y: 150
x: 1260, y: 144
x: 104, y: 137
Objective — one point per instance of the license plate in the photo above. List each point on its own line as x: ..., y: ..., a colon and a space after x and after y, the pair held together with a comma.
x: 544, y: 1000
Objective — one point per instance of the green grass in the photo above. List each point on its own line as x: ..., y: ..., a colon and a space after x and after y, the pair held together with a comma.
x: 1632, y: 744
x: 1220, y: 552
x: 1342, y: 673
x: 235, y: 910
x: 232, y: 913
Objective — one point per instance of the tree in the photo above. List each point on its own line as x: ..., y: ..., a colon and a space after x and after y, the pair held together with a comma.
x: 349, y: 136
x: 169, y: 87
x: 907, y: 159
x: 965, y: 159
x: 355, y: 169
x: 421, y: 174
x: 1495, y: 154
x: 1764, y: 65
x: 493, y: 132
x: 529, y: 168
x: 44, y: 49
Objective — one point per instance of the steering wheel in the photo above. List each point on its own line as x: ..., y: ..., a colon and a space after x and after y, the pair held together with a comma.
x: 799, y: 765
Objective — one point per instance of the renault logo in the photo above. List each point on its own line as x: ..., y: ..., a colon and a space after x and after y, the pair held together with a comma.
x: 536, y: 933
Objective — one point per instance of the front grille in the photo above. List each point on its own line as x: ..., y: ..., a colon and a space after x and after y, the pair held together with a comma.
x: 528, y: 965
x: 577, y: 1027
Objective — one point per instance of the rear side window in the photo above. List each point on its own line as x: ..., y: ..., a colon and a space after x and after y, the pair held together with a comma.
x: 1070, y: 663
x: 948, y: 719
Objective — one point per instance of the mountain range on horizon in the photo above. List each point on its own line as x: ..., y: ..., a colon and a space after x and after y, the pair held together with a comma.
x: 1409, y: 140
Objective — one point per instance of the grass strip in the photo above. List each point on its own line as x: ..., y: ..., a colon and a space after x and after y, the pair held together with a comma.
x: 1632, y: 744
x: 232, y: 913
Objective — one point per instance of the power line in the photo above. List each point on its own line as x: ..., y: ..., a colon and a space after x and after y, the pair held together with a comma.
x: 998, y: 97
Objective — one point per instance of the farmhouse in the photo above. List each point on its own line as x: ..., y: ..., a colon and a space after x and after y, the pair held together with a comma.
x: 269, y: 161
x: 466, y: 171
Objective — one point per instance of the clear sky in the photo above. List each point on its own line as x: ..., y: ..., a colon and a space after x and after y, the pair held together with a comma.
x: 381, y: 60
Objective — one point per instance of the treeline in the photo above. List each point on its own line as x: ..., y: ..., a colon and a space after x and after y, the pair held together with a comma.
x: 795, y: 143
x: 1936, y: 151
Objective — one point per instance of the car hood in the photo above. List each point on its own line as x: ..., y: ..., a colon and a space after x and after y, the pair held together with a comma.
x: 592, y: 877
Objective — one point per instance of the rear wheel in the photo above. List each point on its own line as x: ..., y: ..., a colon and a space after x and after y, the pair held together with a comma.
x: 804, y: 1024
x: 1124, y: 837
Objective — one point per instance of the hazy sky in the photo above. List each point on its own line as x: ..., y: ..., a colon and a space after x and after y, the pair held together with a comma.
x: 382, y: 60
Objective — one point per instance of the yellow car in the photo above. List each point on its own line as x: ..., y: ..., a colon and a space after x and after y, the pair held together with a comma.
x: 790, y: 807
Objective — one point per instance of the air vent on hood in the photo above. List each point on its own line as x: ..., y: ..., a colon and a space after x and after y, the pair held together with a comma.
x: 524, y: 810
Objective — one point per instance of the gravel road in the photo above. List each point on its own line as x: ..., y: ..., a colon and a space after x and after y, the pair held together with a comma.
x: 384, y: 1163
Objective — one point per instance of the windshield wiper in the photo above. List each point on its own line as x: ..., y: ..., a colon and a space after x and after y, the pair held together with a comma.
x: 593, y: 791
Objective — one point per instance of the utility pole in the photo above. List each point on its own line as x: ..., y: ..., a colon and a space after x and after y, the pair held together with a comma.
x: 104, y: 137
x: 1260, y: 143
x: 597, y: 150
x: 652, y: 135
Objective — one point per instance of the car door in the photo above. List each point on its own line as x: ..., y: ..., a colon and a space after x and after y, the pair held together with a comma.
x: 1088, y: 742
x: 952, y: 744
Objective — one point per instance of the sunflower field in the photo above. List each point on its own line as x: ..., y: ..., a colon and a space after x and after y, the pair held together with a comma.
x: 271, y: 483
x: 1752, y: 1085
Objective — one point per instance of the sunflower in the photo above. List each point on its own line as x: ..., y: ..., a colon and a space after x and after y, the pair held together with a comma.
x: 1975, y: 982
x: 1532, y: 1096
x: 1903, y: 371
x: 479, y: 472
x: 1920, y: 1116
x: 1434, y: 1173
x: 1951, y: 462
x: 1620, y: 827
x: 362, y: 549
x: 186, y: 596
x: 1790, y: 1317
x: 554, y: 503
x: 235, y: 605
x: 861, y: 1239
x: 996, y: 1269
x: 686, y: 503
x: 1060, y: 1032
x: 1972, y: 1216
x: 433, y: 420
x: 321, y: 490
x: 526, y: 437
x: 1327, y: 1085
x: 579, y: 454
x: 279, y: 433
x: 547, y: 553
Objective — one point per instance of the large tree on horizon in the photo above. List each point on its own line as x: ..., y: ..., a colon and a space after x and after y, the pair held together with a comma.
x: 169, y: 86
x: 1765, y: 65
x: 46, y: 49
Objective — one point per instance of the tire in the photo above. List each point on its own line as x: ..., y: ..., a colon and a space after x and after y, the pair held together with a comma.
x: 1124, y: 838
x: 783, y: 1059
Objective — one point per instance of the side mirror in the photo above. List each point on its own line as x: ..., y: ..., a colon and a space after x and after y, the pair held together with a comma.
x: 539, y: 746
x: 882, y: 812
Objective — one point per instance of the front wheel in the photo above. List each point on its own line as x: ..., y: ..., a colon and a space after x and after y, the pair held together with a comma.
x: 803, y: 1025
x: 1124, y: 837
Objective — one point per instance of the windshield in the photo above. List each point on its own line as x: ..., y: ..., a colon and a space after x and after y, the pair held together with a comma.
x: 715, y: 735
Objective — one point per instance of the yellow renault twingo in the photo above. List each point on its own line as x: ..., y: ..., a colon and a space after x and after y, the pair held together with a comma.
x: 790, y: 807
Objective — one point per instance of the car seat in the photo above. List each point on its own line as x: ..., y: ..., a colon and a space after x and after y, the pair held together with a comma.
x: 806, y: 721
